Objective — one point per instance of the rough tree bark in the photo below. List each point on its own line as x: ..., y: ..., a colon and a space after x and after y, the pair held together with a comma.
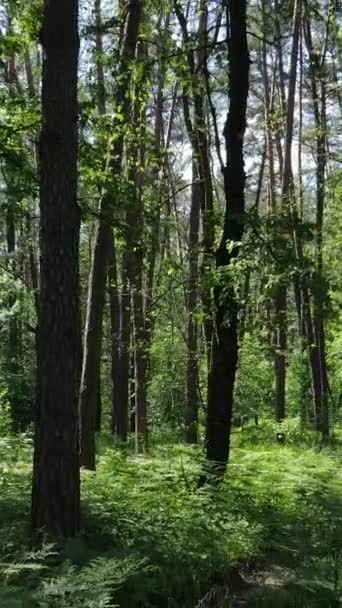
x: 56, y: 482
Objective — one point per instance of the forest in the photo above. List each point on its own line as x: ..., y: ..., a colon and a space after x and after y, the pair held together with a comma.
x: 170, y: 304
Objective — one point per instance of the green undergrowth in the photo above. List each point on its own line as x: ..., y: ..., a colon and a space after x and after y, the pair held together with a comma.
x: 150, y: 538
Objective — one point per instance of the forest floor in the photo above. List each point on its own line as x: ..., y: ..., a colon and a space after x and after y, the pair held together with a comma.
x: 270, y: 536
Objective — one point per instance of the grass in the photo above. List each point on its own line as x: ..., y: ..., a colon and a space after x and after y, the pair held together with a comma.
x: 151, y: 539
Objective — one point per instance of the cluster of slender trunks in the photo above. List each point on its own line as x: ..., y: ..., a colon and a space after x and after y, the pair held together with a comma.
x: 68, y: 369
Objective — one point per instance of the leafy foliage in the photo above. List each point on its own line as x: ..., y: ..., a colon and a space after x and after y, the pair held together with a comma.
x: 151, y: 538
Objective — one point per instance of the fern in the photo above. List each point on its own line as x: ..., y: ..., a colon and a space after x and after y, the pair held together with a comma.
x: 151, y: 539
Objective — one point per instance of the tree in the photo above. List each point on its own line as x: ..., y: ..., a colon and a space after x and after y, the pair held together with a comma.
x: 97, y: 280
x: 56, y: 483
x: 318, y: 92
x: 194, y: 93
x: 192, y: 397
x: 225, y: 346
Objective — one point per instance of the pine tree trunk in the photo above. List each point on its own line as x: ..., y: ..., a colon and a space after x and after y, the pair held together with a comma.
x: 56, y: 482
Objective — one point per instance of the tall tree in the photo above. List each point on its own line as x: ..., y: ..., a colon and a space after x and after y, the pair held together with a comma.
x: 56, y: 482
x: 97, y: 280
x: 134, y: 254
x: 225, y: 346
x: 318, y: 92
x: 280, y: 298
x: 194, y: 94
x: 192, y: 396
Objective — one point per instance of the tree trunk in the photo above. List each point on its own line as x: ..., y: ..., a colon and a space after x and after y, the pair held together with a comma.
x: 33, y: 266
x: 319, y: 106
x: 93, y: 331
x: 30, y: 234
x: 115, y: 316
x: 98, y: 422
x: 13, y: 332
x: 92, y: 348
x: 279, y: 345
x: 225, y: 347
x: 134, y: 244
x: 158, y: 180
x: 197, y: 132
x: 132, y: 399
x: 288, y: 210
x: 136, y: 281
x: 244, y: 313
x: 192, y: 404
x: 56, y: 482
x: 123, y: 393
x: 280, y: 299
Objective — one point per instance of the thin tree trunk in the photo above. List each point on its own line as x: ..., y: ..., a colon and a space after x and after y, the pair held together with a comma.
x: 122, y: 389
x: 115, y: 317
x: 101, y: 106
x: 30, y: 235
x: 134, y: 244
x: 13, y: 333
x: 192, y: 400
x: 33, y: 267
x: 197, y: 132
x: 280, y: 299
x: 132, y: 417
x: 93, y: 331
x: 280, y: 342
x: 140, y: 360
x: 287, y: 210
x: 113, y: 289
x: 319, y: 106
x: 225, y: 347
x: 303, y: 302
x: 29, y: 75
x: 246, y: 287
x: 161, y: 163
